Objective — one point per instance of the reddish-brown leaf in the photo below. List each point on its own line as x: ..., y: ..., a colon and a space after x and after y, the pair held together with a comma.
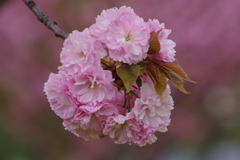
x: 158, y: 78
x: 173, y: 69
x: 170, y: 74
x: 154, y: 44
x: 173, y: 72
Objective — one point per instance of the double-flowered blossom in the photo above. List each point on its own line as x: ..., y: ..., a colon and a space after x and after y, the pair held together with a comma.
x: 59, y: 97
x: 93, y: 85
x: 150, y: 110
x: 125, y: 34
x: 80, y: 51
x: 113, y: 79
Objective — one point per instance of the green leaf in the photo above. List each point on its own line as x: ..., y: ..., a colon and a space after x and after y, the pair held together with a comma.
x: 180, y: 87
x: 128, y: 74
x: 139, y: 82
x: 175, y: 61
x: 158, y: 78
x: 154, y: 45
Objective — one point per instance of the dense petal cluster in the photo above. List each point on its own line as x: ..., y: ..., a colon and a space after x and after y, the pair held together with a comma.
x: 90, y: 96
x: 149, y: 109
x: 125, y: 34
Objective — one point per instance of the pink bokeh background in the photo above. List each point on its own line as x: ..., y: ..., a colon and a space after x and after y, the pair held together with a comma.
x: 205, y: 124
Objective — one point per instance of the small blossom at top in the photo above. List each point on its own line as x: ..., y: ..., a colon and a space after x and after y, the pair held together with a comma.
x: 125, y: 34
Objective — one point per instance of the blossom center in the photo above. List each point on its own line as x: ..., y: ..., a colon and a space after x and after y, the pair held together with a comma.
x: 117, y: 126
x: 92, y: 84
x: 128, y: 37
x: 81, y: 54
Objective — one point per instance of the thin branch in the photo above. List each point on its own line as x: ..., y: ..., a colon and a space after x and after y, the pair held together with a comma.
x: 42, y: 17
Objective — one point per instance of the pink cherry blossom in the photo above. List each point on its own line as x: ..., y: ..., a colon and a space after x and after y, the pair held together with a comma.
x: 93, y: 85
x: 59, y: 97
x: 107, y: 109
x: 84, y: 92
x: 86, y: 134
x: 127, y: 39
x: 84, y: 124
x: 121, y: 129
x: 89, y: 120
x: 167, y: 51
x: 99, y: 29
x: 150, y: 110
x: 125, y: 129
x: 125, y: 34
x: 145, y: 136
x: 81, y: 51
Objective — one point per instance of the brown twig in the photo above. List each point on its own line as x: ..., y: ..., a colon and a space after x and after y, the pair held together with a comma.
x: 42, y: 17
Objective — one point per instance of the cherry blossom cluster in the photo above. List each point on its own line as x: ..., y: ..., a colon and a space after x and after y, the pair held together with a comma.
x: 88, y: 92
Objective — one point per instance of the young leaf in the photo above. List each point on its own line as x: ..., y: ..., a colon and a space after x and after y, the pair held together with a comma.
x: 175, y: 61
x: 180, y: 87
x: 174, y: 69
x: 158, y: 78
x: 175, y: 78
x: 128, y: 74
x: 139, y: 82
x: 154, y: 45
x: 173, y: 72
x: 170, y: 74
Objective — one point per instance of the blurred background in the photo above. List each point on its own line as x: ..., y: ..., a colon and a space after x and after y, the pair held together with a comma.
x: 205, y: 124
